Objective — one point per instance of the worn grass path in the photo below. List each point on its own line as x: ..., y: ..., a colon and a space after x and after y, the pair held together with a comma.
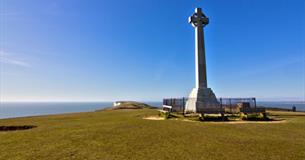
x: 123, y: 134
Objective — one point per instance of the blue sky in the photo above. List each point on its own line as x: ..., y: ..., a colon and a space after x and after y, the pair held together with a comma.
x: 105, y: 50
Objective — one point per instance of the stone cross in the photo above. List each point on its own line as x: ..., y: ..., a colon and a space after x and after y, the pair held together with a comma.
x: 201, y: 97
x: 198, y: 21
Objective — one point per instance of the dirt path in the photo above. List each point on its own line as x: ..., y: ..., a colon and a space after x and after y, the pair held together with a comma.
x: 154, y: 118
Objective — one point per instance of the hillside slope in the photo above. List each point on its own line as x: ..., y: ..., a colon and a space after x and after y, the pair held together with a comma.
x: 124, y: 134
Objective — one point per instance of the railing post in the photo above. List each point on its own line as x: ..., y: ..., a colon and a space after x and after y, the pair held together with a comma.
x: 182, y: 104
x: 175, y: 102
x: 183, y: 107
x: 230, y: 105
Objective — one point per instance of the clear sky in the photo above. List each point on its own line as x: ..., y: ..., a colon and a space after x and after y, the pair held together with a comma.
x: 104, y: 50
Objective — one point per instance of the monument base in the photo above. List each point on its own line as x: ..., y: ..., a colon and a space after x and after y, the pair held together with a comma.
x: 200, y: 98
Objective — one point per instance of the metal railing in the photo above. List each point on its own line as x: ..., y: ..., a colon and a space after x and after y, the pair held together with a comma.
x: 178, y: 104
x: 225, y: 105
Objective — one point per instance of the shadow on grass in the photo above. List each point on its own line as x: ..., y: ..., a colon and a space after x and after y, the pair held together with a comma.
x: 258, y: 119
x: 15, y: 128
x: 174, y: 116
x: 214, y: 119
x: 228, y: 119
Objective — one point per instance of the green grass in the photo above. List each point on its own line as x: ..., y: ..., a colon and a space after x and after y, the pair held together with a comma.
x: 123, y: 134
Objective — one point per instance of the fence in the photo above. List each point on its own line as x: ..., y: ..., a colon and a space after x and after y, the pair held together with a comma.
x: 178, y: 104
x: 223, y: 105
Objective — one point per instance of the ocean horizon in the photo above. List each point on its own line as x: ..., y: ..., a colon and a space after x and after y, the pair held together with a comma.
x: 25, y: 109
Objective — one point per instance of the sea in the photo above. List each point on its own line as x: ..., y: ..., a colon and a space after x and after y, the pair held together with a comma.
x: 24, y: 109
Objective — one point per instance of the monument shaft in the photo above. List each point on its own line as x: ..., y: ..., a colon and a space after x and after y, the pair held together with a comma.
x: 201, y: 76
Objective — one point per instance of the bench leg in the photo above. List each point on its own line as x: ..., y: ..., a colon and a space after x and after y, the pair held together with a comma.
x: 202, y: 116
x: 265, y: 115
x: 223, y: 116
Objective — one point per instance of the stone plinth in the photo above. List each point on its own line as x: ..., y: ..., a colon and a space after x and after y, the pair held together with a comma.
x: 200, y: 98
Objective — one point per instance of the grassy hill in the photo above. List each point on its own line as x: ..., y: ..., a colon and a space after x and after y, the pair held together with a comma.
x: 124, y: 134
x: 129, y: 105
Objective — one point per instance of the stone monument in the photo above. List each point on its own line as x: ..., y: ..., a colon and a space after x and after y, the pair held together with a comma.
x: 201, y: 96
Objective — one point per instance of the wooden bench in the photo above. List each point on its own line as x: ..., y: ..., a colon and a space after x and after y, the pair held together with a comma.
x: 167, y: 108
x: 165, y: 112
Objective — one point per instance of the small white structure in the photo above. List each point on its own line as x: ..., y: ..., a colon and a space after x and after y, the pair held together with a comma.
x: 117, y: 103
